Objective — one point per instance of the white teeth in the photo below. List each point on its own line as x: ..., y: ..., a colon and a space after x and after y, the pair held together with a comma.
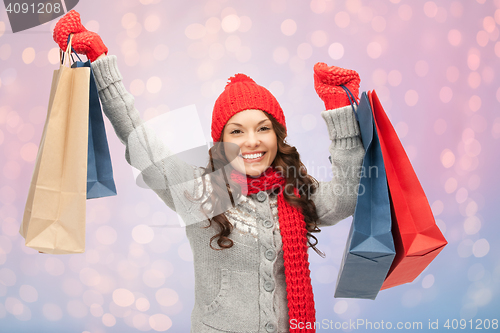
x: 252, y: 156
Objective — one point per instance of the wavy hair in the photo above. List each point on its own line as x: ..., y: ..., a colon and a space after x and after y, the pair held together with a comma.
x: 287, y: 159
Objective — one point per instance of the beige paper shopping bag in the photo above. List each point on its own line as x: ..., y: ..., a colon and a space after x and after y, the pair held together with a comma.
x: 54, y: 216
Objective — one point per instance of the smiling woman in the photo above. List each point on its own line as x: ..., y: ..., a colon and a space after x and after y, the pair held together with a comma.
x: 250, y: 252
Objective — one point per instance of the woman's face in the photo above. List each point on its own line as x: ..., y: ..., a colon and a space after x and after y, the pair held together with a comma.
x: 253, y: 133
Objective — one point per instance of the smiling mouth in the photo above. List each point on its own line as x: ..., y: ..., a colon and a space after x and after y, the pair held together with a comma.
x: 251, y: 157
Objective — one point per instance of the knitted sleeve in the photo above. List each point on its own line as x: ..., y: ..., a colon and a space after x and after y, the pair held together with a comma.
x: 335, y: 200
x: 162, y: 171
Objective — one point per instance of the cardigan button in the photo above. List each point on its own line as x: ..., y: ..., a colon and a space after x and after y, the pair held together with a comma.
x: 270, y: 254
x: 261, y: 196
x: 269, y: 286
x: 270, y: 327
x: 267, y: 223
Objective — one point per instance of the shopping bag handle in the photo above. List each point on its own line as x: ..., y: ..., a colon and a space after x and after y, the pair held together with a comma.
x: 63, y: 52
x: 352, y: 100
x: 70, y: 53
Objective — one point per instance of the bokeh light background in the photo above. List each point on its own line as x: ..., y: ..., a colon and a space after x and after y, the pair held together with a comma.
x: 434, y: 65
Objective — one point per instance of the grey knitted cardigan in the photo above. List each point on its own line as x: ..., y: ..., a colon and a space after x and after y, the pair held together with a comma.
x: 241, y: 289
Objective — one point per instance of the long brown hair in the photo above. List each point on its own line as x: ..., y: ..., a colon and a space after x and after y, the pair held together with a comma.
x: 287, y: 159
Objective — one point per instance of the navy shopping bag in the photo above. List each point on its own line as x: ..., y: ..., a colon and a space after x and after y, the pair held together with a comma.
x: 100, y: 182
x: 370, y: 249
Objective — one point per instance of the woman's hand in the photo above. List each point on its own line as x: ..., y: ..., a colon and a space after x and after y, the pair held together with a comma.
x: 83, y: 41
x: 327, y: 81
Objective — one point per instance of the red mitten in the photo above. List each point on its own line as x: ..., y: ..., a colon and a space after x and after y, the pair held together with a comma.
x: 68, y: 24
x: 327, y: 81
x: 83, y: 41
x: 90, y: 44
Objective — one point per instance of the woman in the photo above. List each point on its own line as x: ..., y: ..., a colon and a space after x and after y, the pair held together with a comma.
x: 251, y: 212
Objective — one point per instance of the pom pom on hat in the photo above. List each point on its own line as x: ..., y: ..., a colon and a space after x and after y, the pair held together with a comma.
x: 239, y: 78
x: 242, y: 93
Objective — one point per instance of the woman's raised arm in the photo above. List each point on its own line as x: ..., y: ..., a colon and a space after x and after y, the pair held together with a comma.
x: 335, y: 200
x: 162, y: 171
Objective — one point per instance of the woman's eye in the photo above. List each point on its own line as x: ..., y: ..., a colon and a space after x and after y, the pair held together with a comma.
x: 236, y: 131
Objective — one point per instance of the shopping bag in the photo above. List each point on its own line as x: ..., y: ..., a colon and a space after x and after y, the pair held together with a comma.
x: 54, y: 216
x: 100, y: 182
x: 417, y: 238
x: 370, y: 249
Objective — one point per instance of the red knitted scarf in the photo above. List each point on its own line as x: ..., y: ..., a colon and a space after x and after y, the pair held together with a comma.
x: 293, y: 233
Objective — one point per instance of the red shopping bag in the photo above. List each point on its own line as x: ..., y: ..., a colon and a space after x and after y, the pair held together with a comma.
x: 417, y: 238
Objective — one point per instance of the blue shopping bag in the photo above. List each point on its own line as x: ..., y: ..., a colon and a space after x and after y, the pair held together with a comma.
x: 370, y: 249
x: 100, y: 182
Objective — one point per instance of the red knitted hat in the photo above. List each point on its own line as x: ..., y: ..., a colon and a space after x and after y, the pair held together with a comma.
x: 242, y: 93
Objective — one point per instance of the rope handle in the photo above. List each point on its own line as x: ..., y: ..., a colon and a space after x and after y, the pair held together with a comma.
x: 69, y: 51
x: 352, y: 100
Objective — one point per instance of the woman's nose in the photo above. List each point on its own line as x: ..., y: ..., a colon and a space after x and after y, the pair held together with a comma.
x: 252, y: 139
